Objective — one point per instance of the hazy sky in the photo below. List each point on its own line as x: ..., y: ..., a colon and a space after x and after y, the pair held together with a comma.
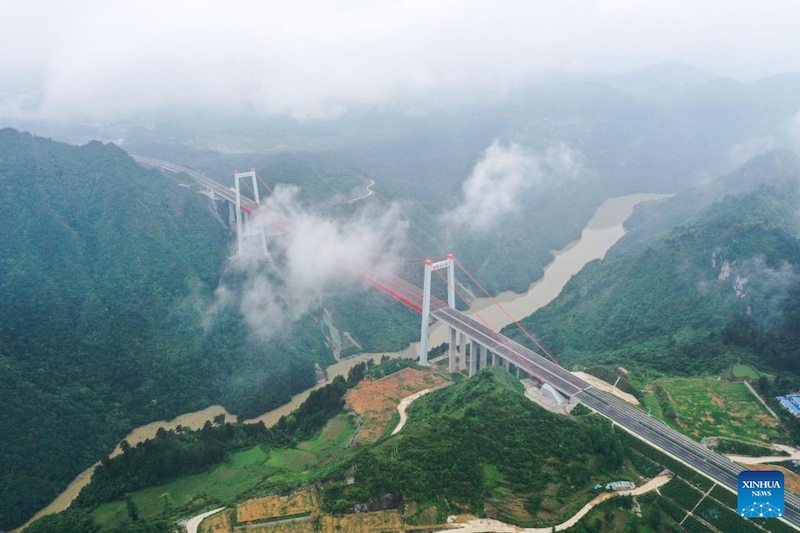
x: 311, y: 58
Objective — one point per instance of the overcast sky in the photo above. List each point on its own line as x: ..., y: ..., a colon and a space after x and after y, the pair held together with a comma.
x: 312, y: 58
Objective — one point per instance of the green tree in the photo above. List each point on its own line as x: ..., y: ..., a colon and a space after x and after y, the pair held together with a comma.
x: 166, y: 502
x: 133, y: 510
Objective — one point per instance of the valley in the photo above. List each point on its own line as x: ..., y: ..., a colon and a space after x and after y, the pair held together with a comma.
x: 586, y: 217
x: 601, y: 232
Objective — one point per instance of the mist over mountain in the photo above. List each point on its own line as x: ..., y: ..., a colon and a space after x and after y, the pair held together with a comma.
x: 708, y: 284
x: 658, y: 218
x: 620, y: 135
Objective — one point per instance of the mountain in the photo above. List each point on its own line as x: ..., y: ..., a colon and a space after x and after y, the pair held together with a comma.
x: 105, y: 272
x: 655, y: 219
x: 694, y: 300
x: 659, y: 82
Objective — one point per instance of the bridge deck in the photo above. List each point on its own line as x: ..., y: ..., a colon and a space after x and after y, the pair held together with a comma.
x: 714, y: 466
x: 226, y: 193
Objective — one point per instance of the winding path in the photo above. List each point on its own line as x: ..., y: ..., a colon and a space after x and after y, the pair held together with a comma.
x: 486, y: 525
x: 405, y: 402
x: 193, y: 523
x: 369, y: 192
x: 748, y: 460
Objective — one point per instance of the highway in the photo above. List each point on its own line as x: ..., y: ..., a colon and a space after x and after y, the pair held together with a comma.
x: 226, y: 193
x: 714, y: 466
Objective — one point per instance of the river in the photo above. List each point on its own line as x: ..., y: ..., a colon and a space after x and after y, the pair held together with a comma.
x: 603, y: 230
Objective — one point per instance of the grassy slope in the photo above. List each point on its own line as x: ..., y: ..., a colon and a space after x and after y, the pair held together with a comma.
x: 712, y: 407
x: 244, y: 473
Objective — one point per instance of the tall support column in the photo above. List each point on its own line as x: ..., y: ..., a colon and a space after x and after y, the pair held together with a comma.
x: 462, y: 346
x: 261, y: 232
x: 426, y: 315
x: 473, y: 358
x: 473, y: 350
x: 452, y: 357
x: 483, y: 358
x: 451, y: 281
x: 239, y: 221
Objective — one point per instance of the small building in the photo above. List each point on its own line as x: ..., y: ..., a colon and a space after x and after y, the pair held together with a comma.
x: 789, y: 405
x: 794, y: 398
x: 620, y: 485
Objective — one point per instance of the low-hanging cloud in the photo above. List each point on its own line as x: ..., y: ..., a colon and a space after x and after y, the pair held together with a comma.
x: 497, y: 182
x: 786, y: 135
x: 310, y: 58
x: 309, y: 255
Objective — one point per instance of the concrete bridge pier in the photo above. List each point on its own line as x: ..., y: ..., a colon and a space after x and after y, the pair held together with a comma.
x: 462, y: 345
x: 483, y: 358
x: 473, y: 358
x: 232, y: 216
x: 451, y: 361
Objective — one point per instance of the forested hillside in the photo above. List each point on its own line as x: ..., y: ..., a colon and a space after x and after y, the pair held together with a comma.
x: 656, y: 219
x: 106, y: 270
x: 720, y: 288
x: 477, y: 446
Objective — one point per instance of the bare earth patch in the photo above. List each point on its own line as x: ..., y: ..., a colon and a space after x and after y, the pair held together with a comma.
x: 791, y: 480
x: 218, y: 523
x: 276, y: 506
x: 363, y: 522
x: 376, y: 401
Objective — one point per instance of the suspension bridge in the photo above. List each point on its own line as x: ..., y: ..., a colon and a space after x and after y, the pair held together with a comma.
x: 475, y: 345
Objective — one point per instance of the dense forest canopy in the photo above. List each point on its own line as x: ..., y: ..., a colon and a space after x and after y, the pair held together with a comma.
x: 106, y: 271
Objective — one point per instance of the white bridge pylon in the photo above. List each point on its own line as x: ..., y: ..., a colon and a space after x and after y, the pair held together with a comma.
x: 242, y: 217
x: 449, y: 264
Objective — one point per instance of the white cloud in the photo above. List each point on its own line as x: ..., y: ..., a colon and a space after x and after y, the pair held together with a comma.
x: 793, y: 133
x: 312, y: 58
x: 496, y: 183
x: 744, y: 151
x: 786, y: 136
x: 309, y: 256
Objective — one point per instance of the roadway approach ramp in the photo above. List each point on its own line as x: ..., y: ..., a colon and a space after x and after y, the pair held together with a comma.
x: 714, y: 466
